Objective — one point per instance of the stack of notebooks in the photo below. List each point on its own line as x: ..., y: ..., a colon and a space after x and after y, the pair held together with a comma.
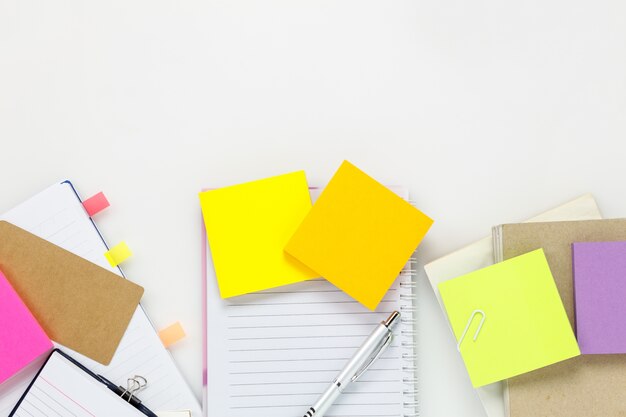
x: 55, y: 227
x: 553, y: 313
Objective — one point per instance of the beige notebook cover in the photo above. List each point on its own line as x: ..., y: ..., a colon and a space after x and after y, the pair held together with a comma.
x: 589, y: 385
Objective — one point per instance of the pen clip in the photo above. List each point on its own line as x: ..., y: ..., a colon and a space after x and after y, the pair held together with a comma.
x: 381, y: 350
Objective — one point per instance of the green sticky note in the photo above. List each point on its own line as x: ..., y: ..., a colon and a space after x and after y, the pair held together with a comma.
x: 525, y: 326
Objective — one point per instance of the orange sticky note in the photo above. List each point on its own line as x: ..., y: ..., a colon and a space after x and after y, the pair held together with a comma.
x: 172, y: 334
x: 359, y: 235
x: 248, y: 226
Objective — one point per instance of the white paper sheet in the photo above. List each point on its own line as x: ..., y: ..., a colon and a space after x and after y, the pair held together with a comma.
x: 185, y: 413
x: 272, y: 353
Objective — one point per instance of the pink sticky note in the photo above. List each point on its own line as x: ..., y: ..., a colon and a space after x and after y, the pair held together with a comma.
x: 96, y: 204
x: 22, y: 340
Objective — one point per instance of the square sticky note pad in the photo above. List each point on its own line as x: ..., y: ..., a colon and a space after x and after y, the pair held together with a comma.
x: 600, y: 296
x: 247, y: 228
x: 358, y: 235
x: 525, y: 326
x: 22, y: 340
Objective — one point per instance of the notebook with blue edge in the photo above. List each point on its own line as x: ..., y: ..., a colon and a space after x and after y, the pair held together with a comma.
x: 45, y: 397
x: 57, y: 214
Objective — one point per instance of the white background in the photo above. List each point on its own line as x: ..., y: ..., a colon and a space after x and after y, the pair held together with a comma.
x: 489, y: 111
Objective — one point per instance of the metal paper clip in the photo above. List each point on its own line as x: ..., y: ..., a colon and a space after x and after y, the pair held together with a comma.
x: 469, y: 323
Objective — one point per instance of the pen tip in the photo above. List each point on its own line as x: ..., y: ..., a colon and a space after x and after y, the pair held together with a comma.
x: 392, y: 319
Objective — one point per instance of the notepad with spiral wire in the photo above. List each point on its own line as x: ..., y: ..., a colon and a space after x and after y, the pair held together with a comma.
x: 271, y: 353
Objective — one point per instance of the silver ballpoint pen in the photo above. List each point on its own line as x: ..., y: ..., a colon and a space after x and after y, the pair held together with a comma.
x: 370, y: 350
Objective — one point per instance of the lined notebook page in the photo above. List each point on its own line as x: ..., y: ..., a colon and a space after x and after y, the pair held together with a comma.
x: 272, y: 353
x: 64, y: 390
x: 57, y: 215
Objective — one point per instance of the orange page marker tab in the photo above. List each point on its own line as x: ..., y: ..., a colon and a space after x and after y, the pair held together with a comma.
x: 172, y: 334
x: 97, y: 203
x: 118, y: 254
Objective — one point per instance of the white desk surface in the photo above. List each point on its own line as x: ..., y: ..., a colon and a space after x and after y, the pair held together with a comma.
x: 488, y: 111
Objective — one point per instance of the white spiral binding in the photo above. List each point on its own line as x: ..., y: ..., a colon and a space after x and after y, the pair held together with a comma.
x: 408, y: 309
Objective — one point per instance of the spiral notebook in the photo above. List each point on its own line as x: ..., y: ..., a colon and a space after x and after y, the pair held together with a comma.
x: 271, y: 353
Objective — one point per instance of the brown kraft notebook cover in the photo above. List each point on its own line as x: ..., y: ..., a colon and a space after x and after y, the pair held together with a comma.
x: 79, y: 304
x: 589, y: 385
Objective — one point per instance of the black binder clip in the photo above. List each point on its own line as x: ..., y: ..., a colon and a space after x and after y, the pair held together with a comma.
x: 129, y: 394
x: 133, y: 386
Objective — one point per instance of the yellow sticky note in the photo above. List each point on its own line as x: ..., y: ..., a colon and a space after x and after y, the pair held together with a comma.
x: 359, y: 235
x: 525, y: 326
x: 172, y: 334
x: 118, y: 254
x: 248, y: 226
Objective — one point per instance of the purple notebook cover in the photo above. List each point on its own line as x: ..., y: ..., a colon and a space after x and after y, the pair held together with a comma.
x: 600, y: 295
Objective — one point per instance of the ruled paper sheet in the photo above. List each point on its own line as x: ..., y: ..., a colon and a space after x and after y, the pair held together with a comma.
x: 272, y: 353
x: 64, y: 390
x: 57, y: 215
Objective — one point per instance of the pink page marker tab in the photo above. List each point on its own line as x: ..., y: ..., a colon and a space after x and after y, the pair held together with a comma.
x: 22, y: 340
x: 96, y: 204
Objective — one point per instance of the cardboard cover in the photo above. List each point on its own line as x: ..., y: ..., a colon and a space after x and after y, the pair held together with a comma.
x: 588, y: 385
x: 79, y: 304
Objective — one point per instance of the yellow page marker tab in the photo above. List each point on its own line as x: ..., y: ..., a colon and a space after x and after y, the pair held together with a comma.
x: 118, y: 254
x: 525, y: 325
x: 172, y: 334
x: 359, y: 235
x: 248, y: 226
